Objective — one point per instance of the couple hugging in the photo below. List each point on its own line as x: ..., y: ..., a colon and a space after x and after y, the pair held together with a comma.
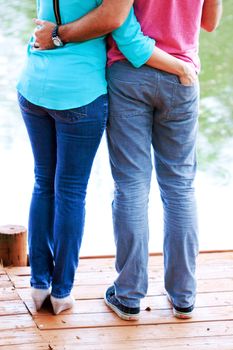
x: 151, y: 109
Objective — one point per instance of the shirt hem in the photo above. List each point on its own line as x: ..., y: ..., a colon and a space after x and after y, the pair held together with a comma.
x: 50, y: 105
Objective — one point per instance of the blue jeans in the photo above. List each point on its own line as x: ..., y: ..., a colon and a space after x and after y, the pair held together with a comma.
x: 148, y: 108
x: 64, y: 144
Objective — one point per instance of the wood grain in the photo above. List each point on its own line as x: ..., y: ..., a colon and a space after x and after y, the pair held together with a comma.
x: 91, y: 325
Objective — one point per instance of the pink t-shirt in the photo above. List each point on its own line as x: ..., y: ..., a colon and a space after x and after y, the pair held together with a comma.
x: 174, y: 24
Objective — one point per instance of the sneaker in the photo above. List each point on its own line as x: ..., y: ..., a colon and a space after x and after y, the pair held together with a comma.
x: 181, y: 312
x: 124, y: 312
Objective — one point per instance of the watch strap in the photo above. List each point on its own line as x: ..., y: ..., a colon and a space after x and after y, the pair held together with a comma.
x: 55, y: 37
x: 55, y: 31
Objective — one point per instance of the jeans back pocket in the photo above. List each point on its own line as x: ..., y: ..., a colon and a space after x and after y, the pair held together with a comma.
x: 71, y: 115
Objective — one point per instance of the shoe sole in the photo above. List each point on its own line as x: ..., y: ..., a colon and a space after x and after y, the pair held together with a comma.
x: 122, y: 315
x: 179, y: 314
x: 182, y: 315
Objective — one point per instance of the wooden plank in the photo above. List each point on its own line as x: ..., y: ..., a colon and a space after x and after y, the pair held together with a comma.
x: 22, y: 279
x: 154, y: 344
x: 91, y: 325
x: 212, y: 266
x: 154, y: 303
x: 202, y: 256
x: 202, y: 300
x: 111, y: 320
x: 90, y: 292
x: 34, y: 346
x: 97, y: 291
x: 217, y: 258
x: 213, y: 257
x: 21, y: 336
x: 214, y: 271
x: 5, y: 284
x: 16, y: 322
x: 107, y: 278
x: 12, y: 307
x: 3, y: 277
x: 158, y: 259
x: 85, y: 265
x: 91, y: 278
x: 105, y: 264
x: 2, y: 269
x: 150, y: 332
x: 215, y: 285
x: 8, y: 294
x: 19, y: 271
x: 223, y: 343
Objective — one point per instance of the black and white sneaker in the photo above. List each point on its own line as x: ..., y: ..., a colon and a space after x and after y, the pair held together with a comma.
x: 181, y: 312
x: 124, y: 312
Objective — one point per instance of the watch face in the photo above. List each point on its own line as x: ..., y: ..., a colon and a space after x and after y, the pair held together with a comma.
x: 57, y: 42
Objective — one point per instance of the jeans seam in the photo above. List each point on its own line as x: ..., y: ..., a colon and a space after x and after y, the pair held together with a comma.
x: 60, y: 296
x: 38, y: 286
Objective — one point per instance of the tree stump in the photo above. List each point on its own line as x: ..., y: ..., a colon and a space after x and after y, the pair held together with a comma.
x: 13, y: 245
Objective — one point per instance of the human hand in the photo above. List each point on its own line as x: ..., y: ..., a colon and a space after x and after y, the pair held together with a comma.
x: 188, y: 76
x: 43, y: 35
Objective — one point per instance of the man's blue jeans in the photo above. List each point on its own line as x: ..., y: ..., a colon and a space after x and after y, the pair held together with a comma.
x: 151, y: 107
x: 64, y: 144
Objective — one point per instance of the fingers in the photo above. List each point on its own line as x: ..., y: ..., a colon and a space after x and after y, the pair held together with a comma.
x: 188, y: 80
x: 189, y: 77
x: 43, y: 34
x: 38, y: 22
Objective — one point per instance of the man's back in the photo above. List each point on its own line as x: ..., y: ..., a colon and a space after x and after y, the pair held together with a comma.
x: 174, y: 24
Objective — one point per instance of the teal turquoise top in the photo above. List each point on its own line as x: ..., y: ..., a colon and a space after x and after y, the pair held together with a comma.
x: 74, y: 75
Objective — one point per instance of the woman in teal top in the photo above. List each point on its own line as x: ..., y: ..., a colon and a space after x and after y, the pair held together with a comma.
x: 62, y: 96
x: 74, y: 75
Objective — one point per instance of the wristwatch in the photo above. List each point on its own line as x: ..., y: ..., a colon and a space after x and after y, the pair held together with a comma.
x: 55, y: 37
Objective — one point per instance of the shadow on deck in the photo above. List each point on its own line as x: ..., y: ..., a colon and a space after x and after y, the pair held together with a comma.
x: 90, y: 325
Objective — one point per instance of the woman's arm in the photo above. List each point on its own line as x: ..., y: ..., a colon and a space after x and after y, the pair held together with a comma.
x: 140, y: 49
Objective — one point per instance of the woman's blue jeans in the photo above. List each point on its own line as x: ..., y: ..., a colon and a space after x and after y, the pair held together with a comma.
x: 64, y: 144
x: 150, y: 111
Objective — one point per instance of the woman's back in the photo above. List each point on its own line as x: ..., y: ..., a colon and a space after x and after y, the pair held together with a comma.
x: 69, y: 76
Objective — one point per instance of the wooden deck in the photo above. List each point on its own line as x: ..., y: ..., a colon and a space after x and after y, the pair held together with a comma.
x: 92, y: 326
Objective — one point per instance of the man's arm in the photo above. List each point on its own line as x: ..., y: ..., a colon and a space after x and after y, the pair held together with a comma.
x: 137, y: 48
x: 140, y: 49
x: 211, y: 14
x: 108, y: 16
x: 168, y: 63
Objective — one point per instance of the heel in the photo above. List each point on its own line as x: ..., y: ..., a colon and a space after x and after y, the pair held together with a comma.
x: 61, y: 304
x: 39, y: 296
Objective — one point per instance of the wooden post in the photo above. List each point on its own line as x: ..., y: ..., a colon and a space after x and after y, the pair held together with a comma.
x: 13, y: 245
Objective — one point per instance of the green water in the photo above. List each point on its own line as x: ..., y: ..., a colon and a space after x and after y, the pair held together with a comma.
x: 215, y: 143
x: 216, y: 117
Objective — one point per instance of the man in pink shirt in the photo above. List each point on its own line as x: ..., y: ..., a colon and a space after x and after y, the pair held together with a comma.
x: 149, y: 107
x: 152, y: 108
